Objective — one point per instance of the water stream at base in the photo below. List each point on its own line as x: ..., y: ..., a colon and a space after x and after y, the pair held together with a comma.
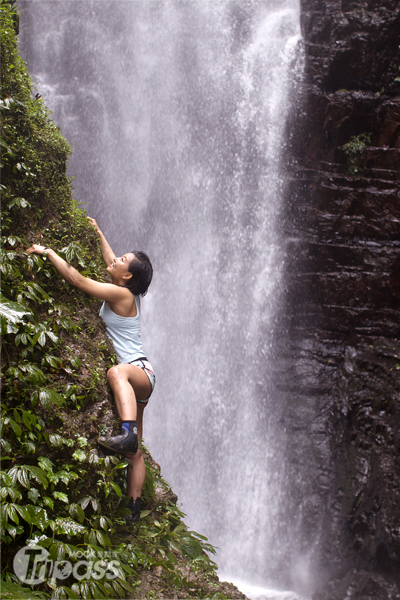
x: 261, y: 593
x: 176, y: 111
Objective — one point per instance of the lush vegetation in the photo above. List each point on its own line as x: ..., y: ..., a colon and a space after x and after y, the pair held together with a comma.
x: 58, y: 490
x: 354, y: 150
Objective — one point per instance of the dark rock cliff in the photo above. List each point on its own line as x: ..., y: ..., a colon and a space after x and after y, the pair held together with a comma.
x: 343, y: 231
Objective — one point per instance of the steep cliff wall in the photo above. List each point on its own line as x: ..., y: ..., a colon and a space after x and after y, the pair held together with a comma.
x: 343, y: 227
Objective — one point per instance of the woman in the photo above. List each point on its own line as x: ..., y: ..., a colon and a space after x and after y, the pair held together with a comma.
x: 132, y: 380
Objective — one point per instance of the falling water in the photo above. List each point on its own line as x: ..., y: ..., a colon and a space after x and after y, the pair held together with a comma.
x: 176, y: 111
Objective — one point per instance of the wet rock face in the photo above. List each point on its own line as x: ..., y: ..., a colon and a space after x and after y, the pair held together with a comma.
x: 359, y: 585
x: 350, y: 43
x: 341, y: 371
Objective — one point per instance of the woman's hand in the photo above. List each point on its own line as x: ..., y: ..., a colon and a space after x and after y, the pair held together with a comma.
x: 93, y: 222
x: 37, y: 249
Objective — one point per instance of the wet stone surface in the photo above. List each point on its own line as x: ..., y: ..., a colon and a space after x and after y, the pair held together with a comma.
x: 339, y: 370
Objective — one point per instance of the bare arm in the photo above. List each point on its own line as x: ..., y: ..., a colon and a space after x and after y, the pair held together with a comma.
x: 105, y: 248
x: 105, y: 291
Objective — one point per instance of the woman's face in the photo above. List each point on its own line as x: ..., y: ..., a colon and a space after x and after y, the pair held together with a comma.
x: 118, y: 269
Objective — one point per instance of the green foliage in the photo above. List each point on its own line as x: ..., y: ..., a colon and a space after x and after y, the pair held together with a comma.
x: 57, y: 491
x: 14, y: 591
x: 354, y: 150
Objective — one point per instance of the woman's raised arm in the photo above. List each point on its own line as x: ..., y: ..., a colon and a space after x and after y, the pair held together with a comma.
x: 105, y: 291
x: 105, y: 248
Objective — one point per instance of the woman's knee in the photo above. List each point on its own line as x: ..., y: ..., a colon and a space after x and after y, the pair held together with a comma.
x: 114, y: 375
x: 134, y: 458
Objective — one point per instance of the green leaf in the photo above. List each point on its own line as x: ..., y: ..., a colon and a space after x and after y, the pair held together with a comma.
x: 12, y: 530
x: 57, y: 551
x: 93, y: 458
x: 76, y: 362
x: 26, y: 417
x: 48, y: 502
x: 64, y: 592
x: 95, y: 504
x: 85, y: 502
x: 6, y: 445
x: 23, y: 477
x: 144, y: 513
x: 95, y: 590
x: 10, y: 491
x: 16, y: 428
x: 12, y: 513
x: 14, y: 591
x: 103, y: 539
x: 28, y: 447
x: 45, y: 463
x: 35, y: 375
x: 12, y: 311
x: 66, y: 476
x: 5, y: 478
x: 38, y: 474
x: 79, y: 455
x: 34, y: 495
x: 39, y: 289
x: 68, y: 526
x: 21, y: 337
x: 182, y: 527
x: 120, y: 590
x: 47, y: 396
x: 116, y: 488
x: 20, y: 202
x: 61, y: 496
x: 35, y: 338
x: 56, y: 440
x: 53, y: 361
x: 90, y: 537
x: 22, y: 510
x: 38, y: 516
x: 126, y: 585
x: 173, y: 543
x: 76, y: 512
x: 52, y: 336
x: 13, y: 372
x: 7, y: 326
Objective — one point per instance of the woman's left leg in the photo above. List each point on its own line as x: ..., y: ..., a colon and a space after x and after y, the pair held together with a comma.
x: 137, y: 472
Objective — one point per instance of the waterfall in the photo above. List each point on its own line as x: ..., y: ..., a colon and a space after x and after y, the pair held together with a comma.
x: 177, y: 111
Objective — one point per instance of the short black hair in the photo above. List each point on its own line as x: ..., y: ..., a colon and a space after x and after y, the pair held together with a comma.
x: 142, y: 273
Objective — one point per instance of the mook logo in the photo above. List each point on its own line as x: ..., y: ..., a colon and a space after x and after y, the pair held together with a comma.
x: 33, y: 566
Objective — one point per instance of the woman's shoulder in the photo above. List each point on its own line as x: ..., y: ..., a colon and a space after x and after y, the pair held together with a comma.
x: 126, y: 306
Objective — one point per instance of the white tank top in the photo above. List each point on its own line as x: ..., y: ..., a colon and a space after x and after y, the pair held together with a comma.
x: 124, y: 333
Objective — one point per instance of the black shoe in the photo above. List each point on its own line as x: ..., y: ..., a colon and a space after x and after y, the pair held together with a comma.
x: 125, y: 443
x: 134, y: 507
